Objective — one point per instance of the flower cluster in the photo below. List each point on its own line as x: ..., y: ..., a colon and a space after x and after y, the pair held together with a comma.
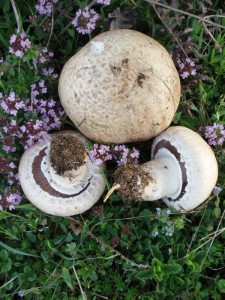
x: 11, y: 104
x: 6, y: 164
x: 44, y: 7
x: 214, y: 134
x: 1, y: 61
x: 120, y: 153
x: 50, y: 72
x: 167, y: 225
x: 85, y: 20
x: 28, y: 131
x: 19, y: 44
x: 105, y: 2
x: 186, y: 66
x: 44, y: 55
x: 10, y: 200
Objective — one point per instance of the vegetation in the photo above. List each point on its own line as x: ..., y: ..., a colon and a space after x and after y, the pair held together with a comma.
x: 119, y: 249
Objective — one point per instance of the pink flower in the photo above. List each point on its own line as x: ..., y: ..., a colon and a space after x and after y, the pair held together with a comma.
x: 214, y: 134
x: 85, y: 20
x: 105, y: 2
x: 19, y: 45
x: 44, y: 7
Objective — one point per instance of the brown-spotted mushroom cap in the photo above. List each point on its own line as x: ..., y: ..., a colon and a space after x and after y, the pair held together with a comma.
x: 183, y: 171
x: 121, y: 87
x: 59, y: 178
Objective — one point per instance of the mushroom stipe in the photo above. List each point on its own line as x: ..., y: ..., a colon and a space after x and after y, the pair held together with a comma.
x: 183, y: 171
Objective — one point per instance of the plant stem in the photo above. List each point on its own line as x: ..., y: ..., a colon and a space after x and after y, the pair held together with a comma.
x: 202, y: 19
x: 16, y: 16
x: 170, y: 31
x: 78, y: 281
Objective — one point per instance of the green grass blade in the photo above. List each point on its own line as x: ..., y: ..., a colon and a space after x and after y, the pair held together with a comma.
x: 16, y: 251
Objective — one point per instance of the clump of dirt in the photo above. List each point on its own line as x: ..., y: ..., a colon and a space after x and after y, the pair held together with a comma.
x: 132, y: 180
x: 66, y: 153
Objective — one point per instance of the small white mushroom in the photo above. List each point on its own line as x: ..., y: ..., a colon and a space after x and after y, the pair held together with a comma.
x: 59, y: 178
x: 121, y: 87
x: 183, y: 171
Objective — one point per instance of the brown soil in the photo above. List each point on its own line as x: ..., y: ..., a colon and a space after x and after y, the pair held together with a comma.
x: 66, y: 153
x: 132, y: 180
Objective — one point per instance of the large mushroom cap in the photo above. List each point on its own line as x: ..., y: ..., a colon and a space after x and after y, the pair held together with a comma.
x: 121, y: 87
x: 196, y: 162
x: 67, y: 194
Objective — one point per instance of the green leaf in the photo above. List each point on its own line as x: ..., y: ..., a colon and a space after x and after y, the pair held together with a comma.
x: 71, y: 32
x: 200, y: 256
x: 16, y: 251
x: 157, y: 267
x: 171, y: 269
x: 221, y: 285
x: 4, y: 255
x: 67, y: 278
x: 156, y: 252
x: 6, y: 267
x: 146, y: 274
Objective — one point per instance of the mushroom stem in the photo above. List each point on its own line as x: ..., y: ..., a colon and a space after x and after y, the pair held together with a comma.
x: 69, y: 178
x: 183, y: 171
x: 67, y: 161
x: 165, y: 179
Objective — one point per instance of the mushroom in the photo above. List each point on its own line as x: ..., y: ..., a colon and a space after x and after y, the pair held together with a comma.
x: 58, y: 176
x: 121, y: 87
x: 183, y: 171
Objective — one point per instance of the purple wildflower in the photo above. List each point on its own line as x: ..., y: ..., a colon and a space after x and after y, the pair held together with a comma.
x: 120, y: 153
x: 105, y: 2
x: 10, y: 200
x: 215, y: 134
x: 85, y: 20
x: 44, y: 7
x: 49, y: 72
x: 6, y: 164
x: 11, y: 104
x: 186, y: 65
x: 19, y: 45
x: 44, y: 55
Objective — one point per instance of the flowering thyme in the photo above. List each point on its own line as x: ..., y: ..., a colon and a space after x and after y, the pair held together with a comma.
x: 186, y: 66
x: 120, y: 153
x: 85, y: 20
x: 10, y: 200
x: 105, y: 2
x: 44, y: 7
x: 19, y: 45
x: 214, y: 134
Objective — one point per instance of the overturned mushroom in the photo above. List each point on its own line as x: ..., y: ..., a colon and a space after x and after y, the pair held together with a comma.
x: 121, y: 87
x: 183, y: 171
x: 59, y: 178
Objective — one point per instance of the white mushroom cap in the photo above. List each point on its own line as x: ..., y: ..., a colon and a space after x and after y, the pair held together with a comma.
x: 196, y: 161
x: 121, y: 87
x: 58, y: 194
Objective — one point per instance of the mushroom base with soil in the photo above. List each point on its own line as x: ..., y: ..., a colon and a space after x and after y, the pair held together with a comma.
x: 183, y: 171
